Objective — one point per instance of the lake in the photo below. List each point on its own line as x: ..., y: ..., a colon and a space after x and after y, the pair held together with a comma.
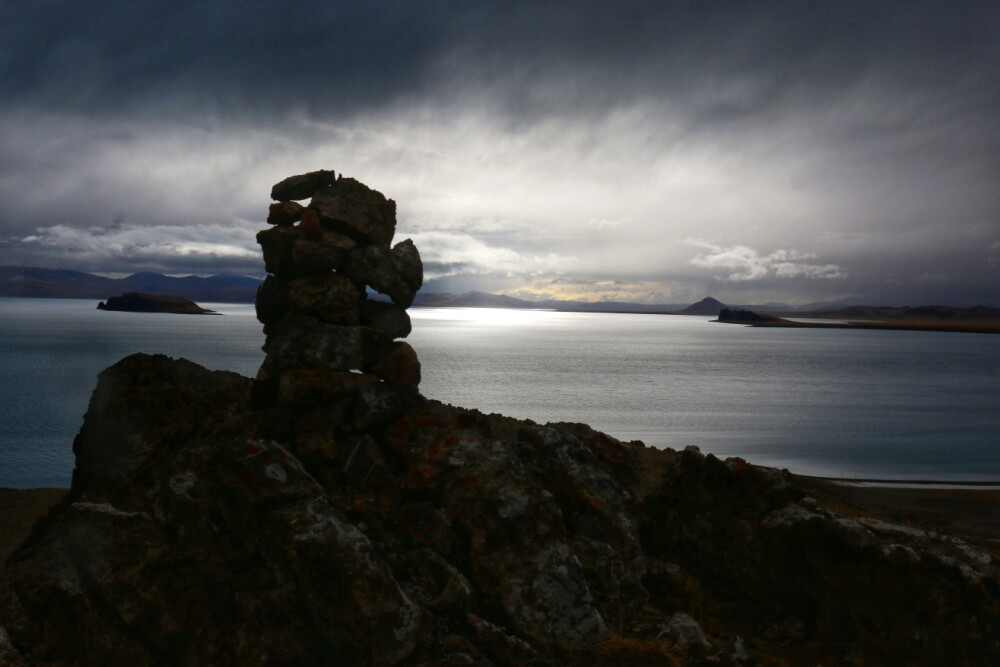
x: 840, y: 403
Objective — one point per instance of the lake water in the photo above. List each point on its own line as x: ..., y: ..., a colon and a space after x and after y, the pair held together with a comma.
x: 885, y: 404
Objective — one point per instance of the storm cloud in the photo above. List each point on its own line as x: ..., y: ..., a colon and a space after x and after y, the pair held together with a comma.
x: 625, y: 150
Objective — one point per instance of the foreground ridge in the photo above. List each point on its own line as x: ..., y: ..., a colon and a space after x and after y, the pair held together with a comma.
x: 325, y: 512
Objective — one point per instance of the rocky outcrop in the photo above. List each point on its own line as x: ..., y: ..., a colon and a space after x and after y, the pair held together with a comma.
x: 137, y: 302
x: 327, y: 513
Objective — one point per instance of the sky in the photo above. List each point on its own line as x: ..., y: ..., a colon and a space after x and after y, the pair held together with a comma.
x: 658, y: 152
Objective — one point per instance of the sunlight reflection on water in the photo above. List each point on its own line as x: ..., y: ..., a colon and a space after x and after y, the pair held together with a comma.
x: 854, y: 403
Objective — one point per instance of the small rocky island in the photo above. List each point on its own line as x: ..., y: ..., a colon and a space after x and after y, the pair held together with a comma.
x: 325, y: 512
x: 138, y: 302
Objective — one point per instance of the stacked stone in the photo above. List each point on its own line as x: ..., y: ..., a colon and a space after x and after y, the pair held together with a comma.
x: 325, y: 339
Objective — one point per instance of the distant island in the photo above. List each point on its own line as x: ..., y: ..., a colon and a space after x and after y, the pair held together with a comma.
x: 980, y: 319
x: 137, y: 302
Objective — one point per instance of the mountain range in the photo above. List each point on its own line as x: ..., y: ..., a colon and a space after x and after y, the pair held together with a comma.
x: 34, y: 282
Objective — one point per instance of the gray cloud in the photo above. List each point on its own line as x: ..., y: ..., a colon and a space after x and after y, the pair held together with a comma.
x: 538, y: 148
x: 202, y: 248
x: 743, y: 263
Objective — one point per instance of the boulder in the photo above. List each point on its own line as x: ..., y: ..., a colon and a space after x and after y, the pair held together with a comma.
x: 302, y: 186
x: 686, y: 633
x: 125, y: 425
x: 289, y: 255
x: 308, y: 386
x: 399, y: 364
x: 355, y: 210
x: 330, y: 297
x: 285, y: 213
x: 387, y: 317
x: 272, y: 299
x: 213, y: 550
x: 397, y: 273
x: 301, y: 341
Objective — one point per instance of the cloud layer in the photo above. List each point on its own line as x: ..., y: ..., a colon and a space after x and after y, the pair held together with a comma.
x: 647, y: 151
x: 748, y: 264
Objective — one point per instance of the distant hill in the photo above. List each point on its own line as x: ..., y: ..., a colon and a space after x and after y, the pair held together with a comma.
x: 470, y: 300
x: 485, y: 300
x: 54, y: 283
x: 707, y: 306
x: 34, y: 282
x: 609, y: 306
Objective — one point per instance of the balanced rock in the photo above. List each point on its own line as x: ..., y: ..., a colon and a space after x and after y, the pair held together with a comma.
x: 314, y: 303
x: 302, y: 186
x: 285, y: 213
x: 387, y: 317
x: 354, y: 209
x: 288, y: 254
x: 398, y: 365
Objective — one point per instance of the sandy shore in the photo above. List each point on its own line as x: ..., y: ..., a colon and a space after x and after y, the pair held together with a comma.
x: 965, y: 326
x: 962, y: 510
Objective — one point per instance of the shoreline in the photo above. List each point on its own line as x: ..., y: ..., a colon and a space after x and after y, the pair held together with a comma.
x: 879, y: 482
x: 965, y: 326
x: 968, y: 510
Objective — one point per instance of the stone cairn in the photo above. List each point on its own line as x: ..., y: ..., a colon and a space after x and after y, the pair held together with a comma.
x: 333, y: 358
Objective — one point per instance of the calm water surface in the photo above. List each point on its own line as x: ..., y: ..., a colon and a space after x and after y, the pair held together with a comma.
x: 903, y: 405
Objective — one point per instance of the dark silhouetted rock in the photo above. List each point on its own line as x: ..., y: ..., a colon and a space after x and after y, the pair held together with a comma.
x: 302, y: 186
x: 308, y: 387
x: 355, y: 210
x: 399, y: 364
x: 300, y: 341
x: 388, y: 317
x: 320, y: 325
x: 285, y: 213
x: 288, y: 255
x: 309, y: 227
x: 330, y: 297
x: 397, y: 273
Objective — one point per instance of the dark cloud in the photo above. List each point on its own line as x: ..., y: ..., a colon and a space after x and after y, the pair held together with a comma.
x: 228, y: 56
x: 545, y: 56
